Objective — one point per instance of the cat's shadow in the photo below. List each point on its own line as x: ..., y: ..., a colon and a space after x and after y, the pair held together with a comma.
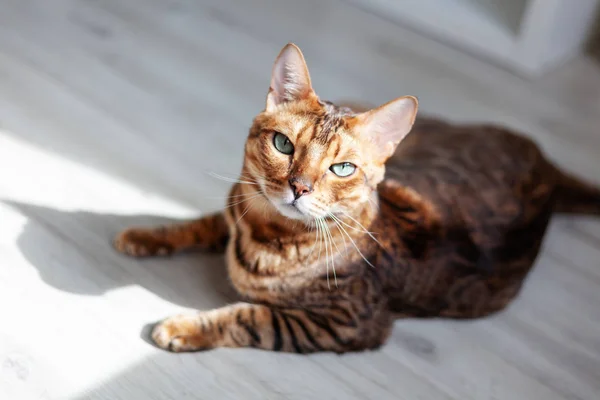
x: 73, y: 252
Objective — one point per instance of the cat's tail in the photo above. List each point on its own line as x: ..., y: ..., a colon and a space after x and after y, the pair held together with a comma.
x: 575, y: 196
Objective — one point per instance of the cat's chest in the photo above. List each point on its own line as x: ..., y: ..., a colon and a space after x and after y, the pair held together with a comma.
x: 267, y: 270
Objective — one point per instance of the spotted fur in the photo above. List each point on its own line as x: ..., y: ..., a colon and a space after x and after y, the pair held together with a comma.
x: 447, y: 226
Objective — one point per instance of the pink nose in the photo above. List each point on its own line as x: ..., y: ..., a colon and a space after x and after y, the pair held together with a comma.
x: 300, y: 187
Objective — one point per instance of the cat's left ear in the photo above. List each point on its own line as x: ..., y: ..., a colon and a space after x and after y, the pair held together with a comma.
x: 387, y: 125
x: 290, y: 80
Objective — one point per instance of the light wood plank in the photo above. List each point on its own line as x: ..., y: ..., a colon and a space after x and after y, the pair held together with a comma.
x: 112, y: 112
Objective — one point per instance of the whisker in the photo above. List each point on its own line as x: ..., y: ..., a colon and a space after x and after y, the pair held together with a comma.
x: 374, y: 204
x: 231, y: 196
x: 231, y: 180
x: 314, y: 245
x: 364, y: 229
x: 244, y: 213
x: 332, y: 255
x: 353, y: 243
x: 259, y: 179
x: 320, y: 244
x: 242, y: 201
x: 326, y: 252
x: 337, y: 225
x: 245, y: 194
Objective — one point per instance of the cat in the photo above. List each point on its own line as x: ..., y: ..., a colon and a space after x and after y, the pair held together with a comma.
x: 341, y: 221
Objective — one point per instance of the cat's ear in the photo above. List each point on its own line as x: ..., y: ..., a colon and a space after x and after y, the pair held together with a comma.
x: 290, y: 80
x: 387, y: 125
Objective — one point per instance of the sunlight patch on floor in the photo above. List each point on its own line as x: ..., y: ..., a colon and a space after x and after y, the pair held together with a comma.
x: 36, y: 176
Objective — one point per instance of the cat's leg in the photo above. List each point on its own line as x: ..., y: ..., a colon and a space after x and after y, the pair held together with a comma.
x: 207, y: 233
x: 296, y: 330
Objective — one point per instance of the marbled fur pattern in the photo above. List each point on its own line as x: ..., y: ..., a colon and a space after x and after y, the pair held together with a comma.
x: 457, y: 222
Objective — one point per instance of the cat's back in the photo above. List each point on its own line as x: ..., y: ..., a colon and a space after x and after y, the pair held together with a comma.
x: 462, y: 203
x: 463, y: 150
x: 472, y: 171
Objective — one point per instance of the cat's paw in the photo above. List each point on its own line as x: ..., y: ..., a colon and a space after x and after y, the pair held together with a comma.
x: 181, y: 333
x: 142, y: 243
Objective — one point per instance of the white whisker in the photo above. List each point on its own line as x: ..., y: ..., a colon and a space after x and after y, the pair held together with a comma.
x: 244, y: 213
x: 337, y: 225
x: 232, y: 196
x: 351, y: 240
x: 244, y: 200
x: 321, y: 222
x: 320, y: 241
x: 359, y: 224
x: 244, y: 194
x: 332, y: 255
x: 316, y: 238
x: 231, y: 180
x: 374, y: 204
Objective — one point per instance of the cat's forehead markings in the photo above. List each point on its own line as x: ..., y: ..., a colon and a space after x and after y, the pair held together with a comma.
x: 349, y: 139
x: 298, y: 125
x: 316, y: 151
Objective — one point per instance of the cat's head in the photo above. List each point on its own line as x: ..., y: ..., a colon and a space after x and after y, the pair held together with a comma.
x: 312, y: 158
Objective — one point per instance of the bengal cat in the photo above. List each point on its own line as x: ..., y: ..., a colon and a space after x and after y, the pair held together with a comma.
x: 332, y: 231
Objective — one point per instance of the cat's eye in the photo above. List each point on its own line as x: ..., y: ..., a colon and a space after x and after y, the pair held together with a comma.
x: 282, y: 143
x: 343, y: 169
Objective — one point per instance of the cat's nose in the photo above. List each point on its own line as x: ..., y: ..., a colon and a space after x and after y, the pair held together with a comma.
x: 300, y: 187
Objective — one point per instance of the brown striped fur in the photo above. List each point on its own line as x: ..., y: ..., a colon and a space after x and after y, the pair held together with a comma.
x: 453, y: 229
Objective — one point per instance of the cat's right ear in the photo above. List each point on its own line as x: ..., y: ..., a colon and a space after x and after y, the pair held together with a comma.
x: 290, y: 80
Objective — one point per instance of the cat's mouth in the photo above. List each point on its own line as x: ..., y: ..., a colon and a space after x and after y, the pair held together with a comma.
x: 300, y: 209
x: 291, y: 210
x: 293, y: 205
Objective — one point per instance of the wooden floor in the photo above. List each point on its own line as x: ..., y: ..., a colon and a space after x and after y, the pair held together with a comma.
x: 113, y: 112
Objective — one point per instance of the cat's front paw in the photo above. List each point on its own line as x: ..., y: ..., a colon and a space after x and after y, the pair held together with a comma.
x: 185, y: 332
x: 142, y: 243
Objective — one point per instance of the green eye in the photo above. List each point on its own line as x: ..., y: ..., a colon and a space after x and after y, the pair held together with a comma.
x: 282, y: 143
x: 343, y: 169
